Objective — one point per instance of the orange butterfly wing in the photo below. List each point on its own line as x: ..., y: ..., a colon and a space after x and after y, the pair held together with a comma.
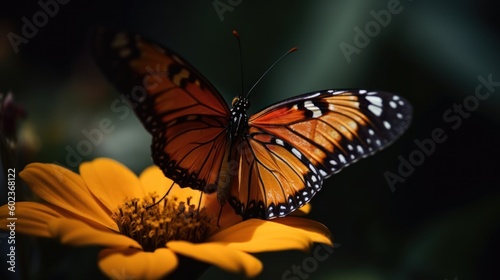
x: 286, y: 150
x: 294, y: 145
x: 178, y: 106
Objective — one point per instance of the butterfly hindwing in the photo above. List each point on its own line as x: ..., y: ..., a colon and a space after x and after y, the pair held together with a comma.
x: 277, y: 179
x: 178, y: 106
x: 297, y: 143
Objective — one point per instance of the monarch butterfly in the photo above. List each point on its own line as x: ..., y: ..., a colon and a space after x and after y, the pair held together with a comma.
x: 266, y: 165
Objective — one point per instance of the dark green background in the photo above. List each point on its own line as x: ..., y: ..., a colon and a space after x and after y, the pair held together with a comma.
x: 440, y: 223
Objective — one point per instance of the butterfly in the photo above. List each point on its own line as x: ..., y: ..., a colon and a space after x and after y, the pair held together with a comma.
x: 265, y: 165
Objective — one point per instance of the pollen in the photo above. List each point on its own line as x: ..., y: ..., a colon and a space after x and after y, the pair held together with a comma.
x: 172, y: 219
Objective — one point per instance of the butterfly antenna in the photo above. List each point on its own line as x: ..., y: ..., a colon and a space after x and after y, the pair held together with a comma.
x: 235, y: 33
x: 157, y: 202
x: 271, y: 67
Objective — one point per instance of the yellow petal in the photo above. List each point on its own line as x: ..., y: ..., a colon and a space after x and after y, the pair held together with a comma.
x: 256, y: 235
x: 227, y: 217
x: 62, y: 188
x: 302, y: 211
x: 153, y: 180
x: 110, y: 182
x: 76, y: 233
x: 32, y: 218
x: 219, y: 255
x: 136, y: 264
x: 318, y: 232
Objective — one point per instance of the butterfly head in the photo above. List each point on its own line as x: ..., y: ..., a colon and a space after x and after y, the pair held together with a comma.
x: 240, y: 101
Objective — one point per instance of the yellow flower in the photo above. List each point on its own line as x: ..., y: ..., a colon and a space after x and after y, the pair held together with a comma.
x: 105, y: 206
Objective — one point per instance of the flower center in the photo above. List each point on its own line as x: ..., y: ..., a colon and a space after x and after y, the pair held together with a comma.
x: 172, y: 219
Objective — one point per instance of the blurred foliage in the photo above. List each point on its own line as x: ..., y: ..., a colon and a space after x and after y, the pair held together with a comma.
x: 440, y: 223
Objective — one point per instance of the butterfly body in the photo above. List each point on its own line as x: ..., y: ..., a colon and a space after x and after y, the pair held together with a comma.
x: 265, y: 165
x: 238, y: 118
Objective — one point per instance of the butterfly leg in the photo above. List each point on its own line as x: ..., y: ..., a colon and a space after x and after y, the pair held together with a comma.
x: 161, y: 199
x: 220, y: 214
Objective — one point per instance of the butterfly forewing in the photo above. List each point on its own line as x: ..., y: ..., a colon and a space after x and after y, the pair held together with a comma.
x: 179, y: 107
x: 305, y: 139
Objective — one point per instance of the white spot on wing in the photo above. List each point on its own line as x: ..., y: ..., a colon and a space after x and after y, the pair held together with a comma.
x: 393, y: 104
x: 360, y: 149
x: 377, y: 111
x: 312, y: 168
x: 387, y: 125
x: 313, y: 108
x: 296, y: 153
x: 375, y: 100
x: 362, y: 91
x: 342, y: 158
x: 280, y: 142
